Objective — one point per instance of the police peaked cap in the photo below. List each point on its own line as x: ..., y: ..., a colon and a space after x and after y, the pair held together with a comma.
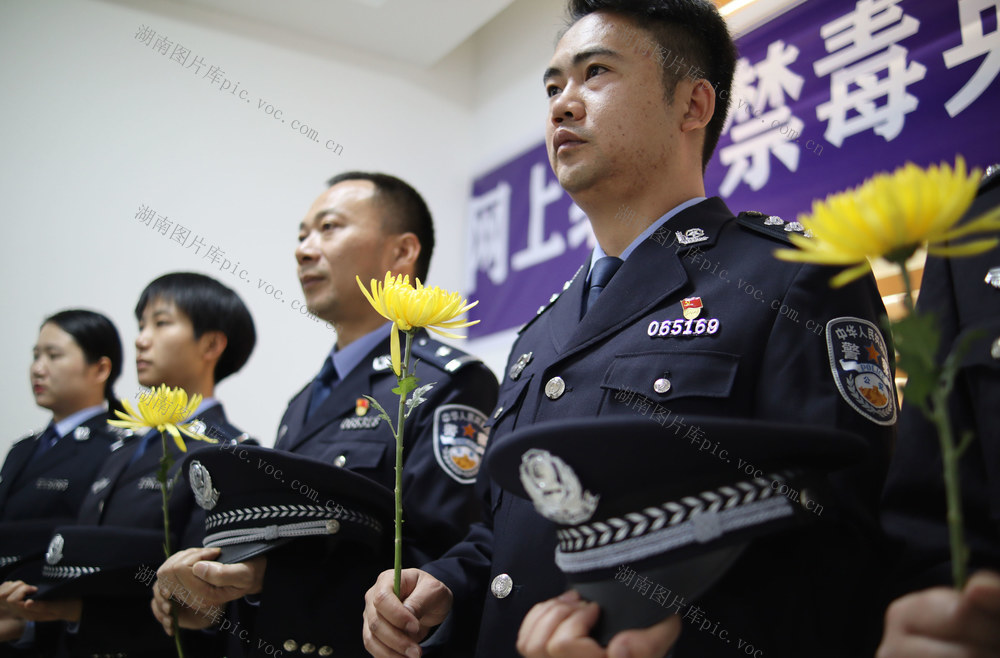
x: 257, y: 498
x: 627, y: 494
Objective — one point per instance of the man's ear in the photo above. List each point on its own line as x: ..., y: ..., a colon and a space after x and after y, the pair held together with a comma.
x: 699, y: 97
x: 405, y: 250
x: 213, y: 344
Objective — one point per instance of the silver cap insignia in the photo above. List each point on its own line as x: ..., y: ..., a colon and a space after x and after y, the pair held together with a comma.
x: 555, y: 489
x: 201, y: 485
x: 55, y: 552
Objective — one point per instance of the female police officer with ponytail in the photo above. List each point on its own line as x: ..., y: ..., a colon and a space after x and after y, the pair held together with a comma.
x: 77, y: 358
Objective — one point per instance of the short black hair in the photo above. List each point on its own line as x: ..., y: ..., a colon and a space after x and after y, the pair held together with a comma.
x: 210, y: 306
x: 403, y: 211
x: 696, y: 38
x: 97, y: 337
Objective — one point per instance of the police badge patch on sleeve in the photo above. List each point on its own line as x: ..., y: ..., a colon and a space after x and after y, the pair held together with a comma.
x: 459, y: 441
x: 860, y: 365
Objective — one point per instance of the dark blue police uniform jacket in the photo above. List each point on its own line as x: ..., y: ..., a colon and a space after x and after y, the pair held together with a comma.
x: 914, y: 509
x: 807, y: 592
x: 128, y: 494
x: 54, y: 485
x: 312, y: 599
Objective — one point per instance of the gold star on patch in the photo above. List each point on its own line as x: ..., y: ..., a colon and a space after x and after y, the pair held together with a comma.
x: 873, y: 354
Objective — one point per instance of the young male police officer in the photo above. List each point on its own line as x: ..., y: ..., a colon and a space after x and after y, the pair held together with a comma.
x: 631, y: 126
x: 364, y: 224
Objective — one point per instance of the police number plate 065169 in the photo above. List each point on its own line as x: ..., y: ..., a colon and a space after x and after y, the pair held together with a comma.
x: 683, y: 327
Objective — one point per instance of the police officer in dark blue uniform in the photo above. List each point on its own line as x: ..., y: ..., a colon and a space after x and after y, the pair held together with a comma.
x: 364, y: 224
x: 193, y: 332
x: 682, y: 310
x: 76, y: 362
x: 964, y: 294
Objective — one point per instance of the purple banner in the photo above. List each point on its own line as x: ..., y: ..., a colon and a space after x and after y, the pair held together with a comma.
x: 526, y: 237
x: 825, y: 95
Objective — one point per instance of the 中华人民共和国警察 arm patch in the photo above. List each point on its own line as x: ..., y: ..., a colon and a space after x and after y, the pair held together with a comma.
x: 859, y: 361
x: 459, y: 441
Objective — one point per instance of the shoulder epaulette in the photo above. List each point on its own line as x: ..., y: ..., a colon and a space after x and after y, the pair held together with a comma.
x: 990, y: 179
x: 29, y: 437
x: 444, y: 357
x: 772, y: 226
x: 224, y: 432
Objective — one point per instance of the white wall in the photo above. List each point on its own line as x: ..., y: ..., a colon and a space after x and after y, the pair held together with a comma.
x: 94, y: 124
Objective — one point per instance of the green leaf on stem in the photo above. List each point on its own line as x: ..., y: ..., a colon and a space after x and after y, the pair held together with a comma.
x: 417, y: 398
x: 406, y: 385
x: 917, y: 337
x: 381, y: 411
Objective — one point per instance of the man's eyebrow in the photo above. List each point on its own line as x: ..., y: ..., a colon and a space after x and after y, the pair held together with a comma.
x: 320, y: 214
x: 581, y: 56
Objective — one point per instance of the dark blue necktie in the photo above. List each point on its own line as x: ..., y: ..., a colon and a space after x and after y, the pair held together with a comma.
x: 46, y: 441
x: 151, y: 436
x: 604, y: 269
x: 322, y: 385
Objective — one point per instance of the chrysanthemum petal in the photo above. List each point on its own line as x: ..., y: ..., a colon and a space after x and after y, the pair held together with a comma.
x: 178, y: 440
x: 850, y: 274
x: 965, y: 249
x: 394, y: 349
x: 890, y: 214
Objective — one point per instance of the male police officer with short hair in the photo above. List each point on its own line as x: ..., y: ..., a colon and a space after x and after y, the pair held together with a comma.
x: 669, y: 317
x: 364, y: 224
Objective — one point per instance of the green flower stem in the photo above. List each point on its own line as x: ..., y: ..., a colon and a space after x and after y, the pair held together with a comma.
x: 908, y: 297
x: 935, y: 408
x: 401, y: 418
x: 165, y: 463
x: 950, y: 456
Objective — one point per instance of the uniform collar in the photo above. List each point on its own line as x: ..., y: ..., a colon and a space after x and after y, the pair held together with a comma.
x: 347, y: 359
x: 599, y: 253
x: 78, y: 418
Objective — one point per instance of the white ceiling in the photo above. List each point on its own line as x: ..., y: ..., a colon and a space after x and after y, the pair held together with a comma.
x: 419, y: 32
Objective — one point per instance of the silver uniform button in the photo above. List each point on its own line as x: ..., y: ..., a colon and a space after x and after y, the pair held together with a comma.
x: 554, y: 388
x: 501, y: 586
x: 995, y: 349
x: 661, y: 385
x: 326, y: 651
x: 308, y: 648
x: 806, y: 498
x: 332, y: 527
x: 340, y: 460
x: 290, y: 645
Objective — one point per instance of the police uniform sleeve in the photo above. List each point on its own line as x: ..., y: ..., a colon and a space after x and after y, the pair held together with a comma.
x: 816, y: 360
x: 815, y: 357
x: 443, y: 452
x: 465, y: 570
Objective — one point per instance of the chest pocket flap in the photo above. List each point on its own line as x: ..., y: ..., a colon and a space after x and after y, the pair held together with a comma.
x: 672, y: 375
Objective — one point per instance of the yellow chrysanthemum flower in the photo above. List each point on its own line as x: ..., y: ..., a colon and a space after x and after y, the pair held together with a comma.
x: 410, y: 308
x: 889, y: 216
x: 162, y: 408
